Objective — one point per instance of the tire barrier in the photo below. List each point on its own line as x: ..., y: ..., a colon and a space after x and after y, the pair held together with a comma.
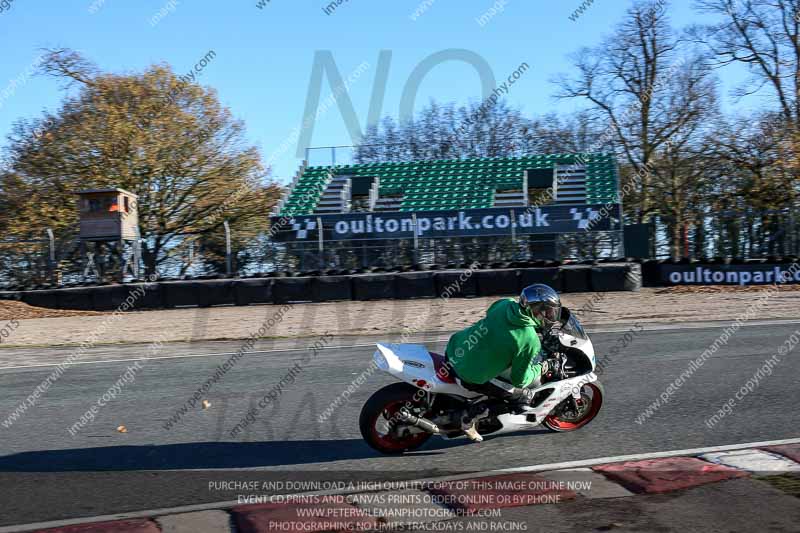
x: 79, y: 299
x: 139, y: 296
x: 576, y: 278
x: 219, y: 292
x: 331, y: 289
x: 610, y: 278
x: 548, y: 276
x: 46, y: 298
x: 110, y: 297
x: 634, y: 280
x: 252, y: 291
x: 152, y: 295
x: 456, y: 284
x: 497, y: 282
x: 361, y: 287
x: 287, y: 290
x: 650, y: 273
x: 184, y: 294
x: 373, y: 287
x: 414, y: 285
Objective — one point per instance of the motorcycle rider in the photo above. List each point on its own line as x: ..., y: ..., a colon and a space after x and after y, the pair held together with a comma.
x: 506, y: 338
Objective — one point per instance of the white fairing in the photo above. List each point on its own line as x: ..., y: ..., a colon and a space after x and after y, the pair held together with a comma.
x: 584, y: 345
x: 413, y: 364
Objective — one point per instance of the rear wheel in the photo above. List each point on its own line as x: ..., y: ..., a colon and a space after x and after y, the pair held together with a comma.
x: 570, y: 418
x: 378, y: 421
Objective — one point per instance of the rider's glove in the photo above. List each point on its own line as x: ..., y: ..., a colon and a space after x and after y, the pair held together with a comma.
x: 550, y: 343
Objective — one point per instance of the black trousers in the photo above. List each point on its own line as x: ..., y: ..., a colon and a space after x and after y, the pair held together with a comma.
x: 494, y: 388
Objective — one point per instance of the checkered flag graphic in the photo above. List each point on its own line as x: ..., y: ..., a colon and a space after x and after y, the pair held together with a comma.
x: 584, y: 216
x: 302, y: 232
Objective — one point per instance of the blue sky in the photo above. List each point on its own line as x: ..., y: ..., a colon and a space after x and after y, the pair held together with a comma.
x: 264, y: 57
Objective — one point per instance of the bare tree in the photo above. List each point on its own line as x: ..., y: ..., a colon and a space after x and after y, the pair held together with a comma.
x: 750, y: 192
x: 647, y: 90
x: 450, y: 132
x: 764, y: 36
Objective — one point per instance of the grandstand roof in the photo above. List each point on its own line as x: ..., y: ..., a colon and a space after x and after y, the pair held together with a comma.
x: 452, y: 184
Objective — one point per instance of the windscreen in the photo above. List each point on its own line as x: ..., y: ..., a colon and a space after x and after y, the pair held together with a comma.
x: 572, y: 326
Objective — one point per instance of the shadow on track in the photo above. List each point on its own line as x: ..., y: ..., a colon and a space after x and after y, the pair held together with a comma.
x: 201, y: 455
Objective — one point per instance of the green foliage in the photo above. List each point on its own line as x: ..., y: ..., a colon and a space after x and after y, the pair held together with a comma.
x: 168, y: 141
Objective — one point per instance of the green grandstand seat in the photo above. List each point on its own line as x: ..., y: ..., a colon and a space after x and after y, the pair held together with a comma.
x: 446, y: 184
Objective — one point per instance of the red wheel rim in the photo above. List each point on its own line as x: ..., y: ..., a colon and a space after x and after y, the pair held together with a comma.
x: 389, y: 441
x: 596, y: 401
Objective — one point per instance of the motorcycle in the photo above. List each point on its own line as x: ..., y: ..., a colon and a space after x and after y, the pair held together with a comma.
x: 401, y: 417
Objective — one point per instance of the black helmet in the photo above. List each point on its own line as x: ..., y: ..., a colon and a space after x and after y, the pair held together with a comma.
x: 542, y: 303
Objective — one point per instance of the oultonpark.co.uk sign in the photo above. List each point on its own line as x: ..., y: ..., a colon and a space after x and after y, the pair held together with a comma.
x: 754, y: 274
x: 433, y: 224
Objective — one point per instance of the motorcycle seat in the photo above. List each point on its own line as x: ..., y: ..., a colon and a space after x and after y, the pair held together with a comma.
x: 444, y: 373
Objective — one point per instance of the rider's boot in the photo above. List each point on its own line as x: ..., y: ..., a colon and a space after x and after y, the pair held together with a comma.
x: 471, y: 432
x: 469, y: 419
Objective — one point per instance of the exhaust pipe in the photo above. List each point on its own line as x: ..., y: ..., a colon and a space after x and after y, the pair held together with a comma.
x: 422, y: 423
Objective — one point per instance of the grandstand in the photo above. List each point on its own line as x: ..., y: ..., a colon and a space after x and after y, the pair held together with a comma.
x: 451, y: 184
x: 390, y: 213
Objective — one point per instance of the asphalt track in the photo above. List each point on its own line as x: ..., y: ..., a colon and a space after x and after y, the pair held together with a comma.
x: 47, y: 474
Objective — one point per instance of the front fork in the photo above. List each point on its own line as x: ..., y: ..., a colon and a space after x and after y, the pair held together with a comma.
x: 576, y: 391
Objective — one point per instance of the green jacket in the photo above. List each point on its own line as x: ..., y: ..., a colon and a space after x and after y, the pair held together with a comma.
x: 505, y: 338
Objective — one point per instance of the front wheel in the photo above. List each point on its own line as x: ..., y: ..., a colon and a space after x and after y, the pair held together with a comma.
x: 583, y: 412
x: 378, y: 421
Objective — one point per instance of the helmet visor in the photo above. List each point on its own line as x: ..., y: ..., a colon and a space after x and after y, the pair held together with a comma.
x: 548, y: 314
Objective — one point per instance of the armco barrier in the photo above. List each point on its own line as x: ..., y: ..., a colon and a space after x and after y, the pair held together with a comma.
x: 331, y: 288
x: 497, y: 282
x: 576, y: 278
x: 549, y: 276
x: 374, y: 287
x: 414, y: 285
x: 253, y: 291
x: 286, y: 290
x: 453, y: 283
